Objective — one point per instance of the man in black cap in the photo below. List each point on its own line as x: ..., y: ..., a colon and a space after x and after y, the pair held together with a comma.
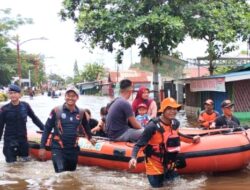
x: 13, y: 117
x: 227, y: 120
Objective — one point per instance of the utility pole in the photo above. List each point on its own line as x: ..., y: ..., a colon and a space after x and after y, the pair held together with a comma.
x: 16, y: 41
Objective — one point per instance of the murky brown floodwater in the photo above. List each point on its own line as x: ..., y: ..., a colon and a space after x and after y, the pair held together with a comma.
x: 35, y: 175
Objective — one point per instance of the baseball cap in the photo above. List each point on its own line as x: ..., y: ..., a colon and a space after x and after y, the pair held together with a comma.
x: 142, y: 105
x: 73, y: 89
x: 226, y: 104
x: 209, y: 102
x: 14, y: 88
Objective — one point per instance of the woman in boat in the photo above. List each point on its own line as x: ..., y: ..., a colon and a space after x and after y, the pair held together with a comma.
x: 142, y: 96
x: 161, y: 143
x: 208, y: 115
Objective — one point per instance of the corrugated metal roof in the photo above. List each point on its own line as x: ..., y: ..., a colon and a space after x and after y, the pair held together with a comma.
x: 229, y: 77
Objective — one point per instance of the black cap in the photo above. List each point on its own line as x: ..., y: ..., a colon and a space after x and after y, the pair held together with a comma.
x: 14, y: 88
x: 227, y: 104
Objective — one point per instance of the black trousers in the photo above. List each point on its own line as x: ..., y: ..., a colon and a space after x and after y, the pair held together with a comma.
x: 12, y: 149
x: 65, y: 159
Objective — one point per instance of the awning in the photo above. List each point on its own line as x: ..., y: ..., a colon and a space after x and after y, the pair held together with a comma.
x: 212, y: 84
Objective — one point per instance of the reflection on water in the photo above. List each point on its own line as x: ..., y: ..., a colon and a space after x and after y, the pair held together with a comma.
x: 35, y: 175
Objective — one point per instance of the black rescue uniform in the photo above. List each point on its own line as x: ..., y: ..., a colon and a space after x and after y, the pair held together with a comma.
x: 223, y: 122
x: 66, y: 126
x: 13, y: 119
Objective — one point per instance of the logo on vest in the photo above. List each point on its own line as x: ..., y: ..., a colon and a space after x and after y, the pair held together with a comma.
x: 63, y: 115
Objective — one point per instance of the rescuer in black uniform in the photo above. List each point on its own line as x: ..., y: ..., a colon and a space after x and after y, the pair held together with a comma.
x: 13, y: 119
x: 67, y: 122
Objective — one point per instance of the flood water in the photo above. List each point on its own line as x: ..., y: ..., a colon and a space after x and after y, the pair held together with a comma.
x: 35, y: 175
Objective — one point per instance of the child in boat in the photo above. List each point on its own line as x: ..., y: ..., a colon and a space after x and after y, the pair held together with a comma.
x: 98, y: 130
x: 92, y: 122
x: 142, y: 117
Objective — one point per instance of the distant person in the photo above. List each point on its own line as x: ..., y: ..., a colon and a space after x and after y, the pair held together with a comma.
x: 67, y: 122
x: 208, y: 115
x: 142, y: 117
x: 13, y: 119
x: 142, y: 96
x: 161, y: 143
x: 227, y: 119
x: 120, y: 114
x: 31, y: 93
x: 99, y: 129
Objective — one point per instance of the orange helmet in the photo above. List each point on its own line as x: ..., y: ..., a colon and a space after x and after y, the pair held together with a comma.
x: 169, y: 102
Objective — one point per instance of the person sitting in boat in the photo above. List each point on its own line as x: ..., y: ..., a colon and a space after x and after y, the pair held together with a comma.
x: 120, y: 115
x: 99, y: 129
x: 142, y: 96
x: 67, y: 122
x: 161, y: 143
x: 208, y: 115
x: 142, y: 116
x: 227, y: 119
x: 13, y: 119
x: 92, y: 122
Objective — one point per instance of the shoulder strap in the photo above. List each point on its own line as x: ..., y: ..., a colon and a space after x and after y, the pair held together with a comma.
x: 109, y: 105
x: 156, y: 121
x: 81, y: 113
x: 58, y: 110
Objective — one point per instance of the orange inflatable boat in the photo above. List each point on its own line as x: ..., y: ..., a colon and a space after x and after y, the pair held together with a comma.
x: 106, y: 154
x: 218, y: 151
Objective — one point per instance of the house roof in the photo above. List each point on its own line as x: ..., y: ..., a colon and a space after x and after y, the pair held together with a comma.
x: 196, y: 72
x: 229, y: 77
x: 135, y: 76
x: 245, y: 67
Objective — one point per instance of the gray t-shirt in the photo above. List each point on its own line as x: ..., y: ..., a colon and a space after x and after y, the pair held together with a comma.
x: 117, y: 118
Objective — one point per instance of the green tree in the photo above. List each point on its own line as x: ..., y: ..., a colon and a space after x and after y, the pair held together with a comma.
x: 150, y: 24
x: 35, y: 65
x: 8, y: 63
x: 220, y: 23
x: 92, y: 72
x: 56, y: 80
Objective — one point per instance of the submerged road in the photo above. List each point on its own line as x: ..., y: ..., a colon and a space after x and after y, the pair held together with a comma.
x: 35, y: 175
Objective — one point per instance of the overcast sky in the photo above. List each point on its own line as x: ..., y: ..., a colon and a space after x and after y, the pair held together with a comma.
x: 60, y: 48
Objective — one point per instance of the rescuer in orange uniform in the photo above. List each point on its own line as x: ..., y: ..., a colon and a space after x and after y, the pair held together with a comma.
x: 161, y: 143
x: 208, y: 115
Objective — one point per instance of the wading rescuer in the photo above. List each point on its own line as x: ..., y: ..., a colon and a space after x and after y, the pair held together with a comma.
x: 13, y: 118
x: 67, y: 122
x: 161, y: 143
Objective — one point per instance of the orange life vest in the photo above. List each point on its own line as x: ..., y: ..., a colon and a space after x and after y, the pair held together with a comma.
x: 162, y: 150
x: 206, y: 119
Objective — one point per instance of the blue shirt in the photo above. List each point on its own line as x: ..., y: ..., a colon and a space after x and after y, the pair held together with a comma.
x: 117, y: 118
x: 143, y: 119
